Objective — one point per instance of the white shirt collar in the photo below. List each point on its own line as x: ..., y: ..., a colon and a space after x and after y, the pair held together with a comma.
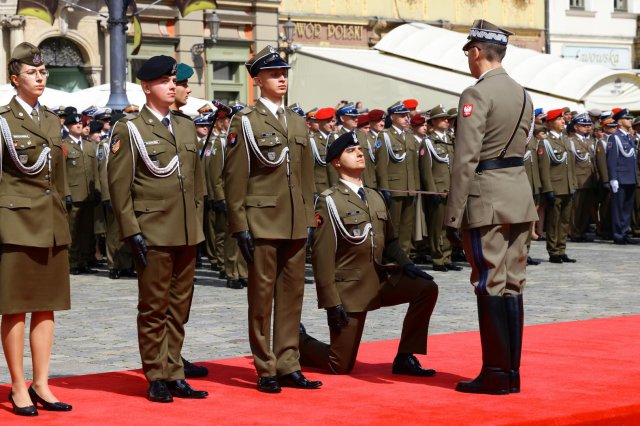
x: 556, y: 135
x: 352, y: 186
x: 75, y: 140
x: 160, y: 117
x: 273, y: 108
x: 324, y: 135
x: 624, y: 132
x: 27, y: 108
x: 441, y: 135
x: 397, y: 130
x: 374, y: 133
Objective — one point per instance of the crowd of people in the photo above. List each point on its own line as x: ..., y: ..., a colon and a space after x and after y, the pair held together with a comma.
x: 364, y: 194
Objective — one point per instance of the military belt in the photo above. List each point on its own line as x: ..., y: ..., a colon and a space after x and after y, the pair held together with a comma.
x: 499, y: 163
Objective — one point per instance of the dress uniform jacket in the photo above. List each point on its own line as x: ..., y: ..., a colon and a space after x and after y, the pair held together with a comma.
x: 440, y: 170
x: 34, y: 272
x: 498, y: 196
x: 367, y: 142
x: 397, y: 175
x: 531, y: 166
x: 557, y: 177
x: 584, y: 162
x: 621, y: 168
x: 320, y: 168
x: 601, y: 161
x: 347, y: 273
x: 82, y: 170
x: 257, y: 200
x: 150, y: 205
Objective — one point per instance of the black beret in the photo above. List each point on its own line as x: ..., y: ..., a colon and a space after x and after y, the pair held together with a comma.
x: 340, y: 144
x: 73, y: 119
x: 95, y: 127
x: 156, y: 67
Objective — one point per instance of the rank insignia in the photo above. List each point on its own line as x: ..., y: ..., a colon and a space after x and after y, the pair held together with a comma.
x: 378, y: 144
x: 467, y: 110
x: 233, y: 138
x: 115, y: 145
x: 319, y: 221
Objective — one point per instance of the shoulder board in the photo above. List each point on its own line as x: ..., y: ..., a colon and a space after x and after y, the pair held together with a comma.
x: 327, y: 192
x: 180, y: 114
x: 4, y: 108
x: 246, y: 110
x: 46, y: 108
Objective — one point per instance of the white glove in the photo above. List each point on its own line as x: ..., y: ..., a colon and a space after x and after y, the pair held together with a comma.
x: 614, y: 186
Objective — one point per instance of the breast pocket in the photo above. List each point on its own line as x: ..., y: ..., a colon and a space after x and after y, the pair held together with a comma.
x: 270, y: 147
x: 355, y: 221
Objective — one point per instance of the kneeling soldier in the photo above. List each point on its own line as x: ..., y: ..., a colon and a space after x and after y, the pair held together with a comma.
x: 353, y: 234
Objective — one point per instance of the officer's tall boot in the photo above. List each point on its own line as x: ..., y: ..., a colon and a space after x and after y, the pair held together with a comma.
x: 496, y: 353
x: 515, y: 321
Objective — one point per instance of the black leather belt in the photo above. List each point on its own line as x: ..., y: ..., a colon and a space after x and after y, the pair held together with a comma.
x: 499, y: 163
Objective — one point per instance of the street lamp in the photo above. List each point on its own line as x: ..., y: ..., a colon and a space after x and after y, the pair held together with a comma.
x: 289, y: 31
x: 212, y: 22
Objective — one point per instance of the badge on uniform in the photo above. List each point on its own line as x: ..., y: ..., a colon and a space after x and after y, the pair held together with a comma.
x: 467, y: 110
x: 271, y: 155
x: 421, y: 151
x: 356, y: 232
x: 100, y: 154
x: 73, y: 162
x: 378, y: 144
x: 319, y: 221
x: 115, y: 145
x: 609, y: 145
x: 207, y: 152
x: 233, y: 138
x: 23, y: 158
x: 540, y: 150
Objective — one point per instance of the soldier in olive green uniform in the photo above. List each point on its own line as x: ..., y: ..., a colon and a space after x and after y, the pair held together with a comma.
x: 84, y: 184
x: 368, y: 143
x: 156, y: 186
x: 435, y: 175
x: 353, y: 236
x: 558, y: 179
x: 533, y: 175
x: 325, y: 119
x: 347, y: 115
x: 491, y: 201
x: 34, y: 262
x: 584, y: 203
x: 268, y: 182
x: 397, y: 173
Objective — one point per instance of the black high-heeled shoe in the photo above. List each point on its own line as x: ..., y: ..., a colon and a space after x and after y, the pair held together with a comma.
x: 29, y: 410
x: 48, y: 406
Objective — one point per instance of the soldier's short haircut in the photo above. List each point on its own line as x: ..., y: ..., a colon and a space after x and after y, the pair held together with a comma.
x: 14, y: 69
x: 493, y: 52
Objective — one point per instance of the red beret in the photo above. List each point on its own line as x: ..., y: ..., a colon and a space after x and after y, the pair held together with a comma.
x: 325, y: 113
x: 221, y: 114
x: 417, y: 120
x: 363, y: 120
x: 410, y: 103
x: 614, y: 111
x: 376, y: 115
x: 554, y: 113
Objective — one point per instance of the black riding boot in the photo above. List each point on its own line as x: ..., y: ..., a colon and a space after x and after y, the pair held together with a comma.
x: 515, y: 320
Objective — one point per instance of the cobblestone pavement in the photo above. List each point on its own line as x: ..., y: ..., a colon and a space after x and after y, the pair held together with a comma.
x: 99, y: 333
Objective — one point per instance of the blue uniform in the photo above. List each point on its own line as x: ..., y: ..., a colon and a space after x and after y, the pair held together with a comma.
x: 621, y: 163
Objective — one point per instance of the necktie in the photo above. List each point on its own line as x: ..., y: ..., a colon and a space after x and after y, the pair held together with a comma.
x: 362, y: 194
x: 166, y: 123
x: 281, y: 118
x: 36, y: 116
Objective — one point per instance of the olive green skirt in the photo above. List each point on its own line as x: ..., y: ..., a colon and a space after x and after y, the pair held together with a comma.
x: 34, y: 279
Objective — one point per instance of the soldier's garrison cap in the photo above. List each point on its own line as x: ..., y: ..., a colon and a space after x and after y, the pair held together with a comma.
x: 437, y: 112
x: 398, y: 108
x: 267, y: 58
x: 27, y: 53
x: 73, y: 119
x: 156, y: 67
x: 486, y: 32
x: 622, y: 114
x: 183, y: 72
x: 340, y: 144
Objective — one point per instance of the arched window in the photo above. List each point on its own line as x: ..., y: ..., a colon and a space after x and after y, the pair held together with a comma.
x: 65, y: 64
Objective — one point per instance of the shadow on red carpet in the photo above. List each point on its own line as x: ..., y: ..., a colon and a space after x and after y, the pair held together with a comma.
x: 583, y: 372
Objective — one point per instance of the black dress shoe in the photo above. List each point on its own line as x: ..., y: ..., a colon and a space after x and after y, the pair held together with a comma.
x: 531, y: 261
x: 244, y: 282
x: 554, y: 258
x: 114, y: 274
x: 235, y: 284
x: 297, y: 380
x: 567, y: 259
x: 441, y: 268
x: 159, y: 392
x: 620, y: 242
x: 628, y: 240
x: 192, y: 371
x: 48, y: 406
x: 409, y: 365
x: 453, y: 267
x: 129, y: 273
x: 29, y: 410
x: 182, y: 389
x: 268, y: 385
x: 222, y: 275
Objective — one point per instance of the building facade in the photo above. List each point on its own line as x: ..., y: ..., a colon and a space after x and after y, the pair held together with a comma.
x: 602, y: 32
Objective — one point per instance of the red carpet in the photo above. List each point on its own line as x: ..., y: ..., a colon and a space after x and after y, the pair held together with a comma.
x: 584, y: 372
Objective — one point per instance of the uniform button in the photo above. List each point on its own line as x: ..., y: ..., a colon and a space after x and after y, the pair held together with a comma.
x: 146, y: 209
x: 47, y: 191
x: 10, y: 204
x: 46, y: 176
x: 45, y: 144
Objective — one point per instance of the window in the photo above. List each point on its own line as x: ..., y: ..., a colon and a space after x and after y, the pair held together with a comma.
x: 225, y: 71
x: 576, y: 4
x: 225, y: 96
x: 620, y: 5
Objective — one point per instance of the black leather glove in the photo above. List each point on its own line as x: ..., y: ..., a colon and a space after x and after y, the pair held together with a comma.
x: 310, y: 232
x: 536, y: 199
x: 69, y: 202
x: 413, y: 272
x: 97, y: 198
x: 453, y: 236
x: 434, y: 199
x: 387, y: 197
x: 139, y: 248
x: 550, y: 197
x: 337, y: 318
x: 219, y: 206
x: 245, y: 243
x: 607, y: 186
x: 108, y: 206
